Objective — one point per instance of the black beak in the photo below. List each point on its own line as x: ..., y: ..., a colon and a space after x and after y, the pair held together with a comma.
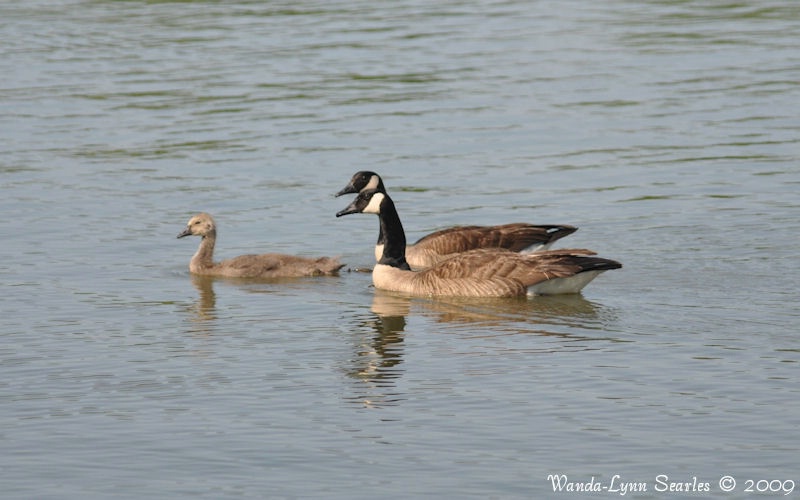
x: 186, y: 232
x: 348, y: 189
x: 351, y: 209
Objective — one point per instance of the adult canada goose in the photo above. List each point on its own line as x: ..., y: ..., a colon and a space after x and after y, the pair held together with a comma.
x: 477, y: 273
x: 439, y: 245
x: 269, y: 265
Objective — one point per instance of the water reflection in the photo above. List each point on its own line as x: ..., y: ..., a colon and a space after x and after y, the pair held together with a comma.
x: 379, y: 345
x: 204, y: 308
x: 379, y: 355
x: 571, y: 322
x: 560, y: 311
x: 573, y: 310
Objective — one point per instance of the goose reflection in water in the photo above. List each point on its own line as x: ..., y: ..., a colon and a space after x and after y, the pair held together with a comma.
x: 572, y: 310
x: 378, y: 359
x: 569, y: 320
x: 379, y: 356
x: 542, y: 310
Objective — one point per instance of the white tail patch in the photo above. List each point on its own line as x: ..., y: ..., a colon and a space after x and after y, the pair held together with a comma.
x: 560, y: 286
x: 536, y: 247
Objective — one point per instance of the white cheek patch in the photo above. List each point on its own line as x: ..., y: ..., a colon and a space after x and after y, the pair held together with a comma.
x: 372, y: 184
x: 374, y: 205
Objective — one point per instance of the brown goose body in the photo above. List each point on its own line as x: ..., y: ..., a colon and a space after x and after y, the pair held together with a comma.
x: 497, y: 273
x: 268, y: 265
x: 476, y: 273
x: 443, y: 244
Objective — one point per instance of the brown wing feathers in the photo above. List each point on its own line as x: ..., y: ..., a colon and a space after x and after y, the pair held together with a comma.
x: 505, y: 272
x: 515, y: 237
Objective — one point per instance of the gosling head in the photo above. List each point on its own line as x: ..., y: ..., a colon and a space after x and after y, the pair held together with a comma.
x: 201, y: 224
x: 366, y: 202
x: 361, y: 181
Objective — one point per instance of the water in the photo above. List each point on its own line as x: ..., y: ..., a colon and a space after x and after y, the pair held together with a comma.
x: 667, y: 131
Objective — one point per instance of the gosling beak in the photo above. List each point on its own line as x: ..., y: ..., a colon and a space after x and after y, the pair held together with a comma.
x: 351, y: 209
x: 347, y: 190
x: 186, y: 232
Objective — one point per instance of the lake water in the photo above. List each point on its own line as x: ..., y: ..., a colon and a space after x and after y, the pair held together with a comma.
x: 667, y: 131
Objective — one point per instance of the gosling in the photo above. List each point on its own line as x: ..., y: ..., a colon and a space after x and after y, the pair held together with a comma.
x: 268, y: 265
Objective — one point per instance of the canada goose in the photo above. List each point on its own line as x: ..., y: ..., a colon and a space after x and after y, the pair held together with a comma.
x: 269, y: 265
x: 439, y: 245
x: 477, y: 273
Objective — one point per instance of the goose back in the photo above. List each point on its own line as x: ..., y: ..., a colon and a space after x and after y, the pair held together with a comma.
x: 516, y: 237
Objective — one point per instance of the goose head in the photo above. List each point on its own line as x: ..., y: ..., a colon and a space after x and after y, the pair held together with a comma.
x: 367, y: 202
x: 362, y: 181
x: 201, y: 224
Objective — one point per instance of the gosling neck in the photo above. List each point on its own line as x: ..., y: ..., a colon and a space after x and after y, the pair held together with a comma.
x: 393, y: 236
x: 204, y: 257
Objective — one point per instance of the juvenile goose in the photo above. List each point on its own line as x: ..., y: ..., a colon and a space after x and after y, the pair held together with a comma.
x: 439, y: 245
x: 477, y: 273
x: 269, y: 265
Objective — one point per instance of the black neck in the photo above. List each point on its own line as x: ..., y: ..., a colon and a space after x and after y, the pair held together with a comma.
x: 381, y: 236
x: 381, y: 189
x: 393, y: 236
